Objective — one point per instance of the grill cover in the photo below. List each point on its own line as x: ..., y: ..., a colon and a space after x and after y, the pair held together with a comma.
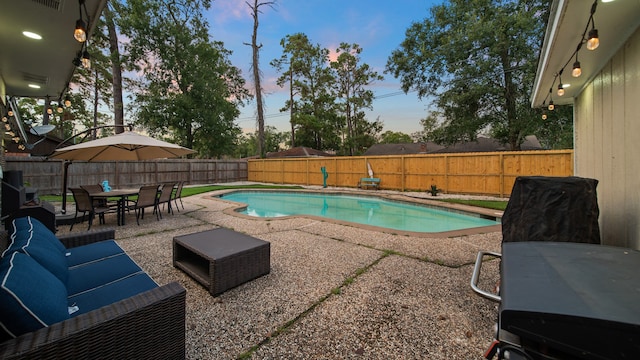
x: 577, y: 301
x: 561, y: 209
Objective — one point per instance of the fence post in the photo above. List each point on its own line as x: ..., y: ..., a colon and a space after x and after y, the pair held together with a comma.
x: 501, y: 175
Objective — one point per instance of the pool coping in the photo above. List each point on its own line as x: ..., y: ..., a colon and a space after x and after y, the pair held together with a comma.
x: 482, y: 212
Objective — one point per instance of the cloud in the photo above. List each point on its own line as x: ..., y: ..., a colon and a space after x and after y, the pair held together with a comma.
x: 224, y: 11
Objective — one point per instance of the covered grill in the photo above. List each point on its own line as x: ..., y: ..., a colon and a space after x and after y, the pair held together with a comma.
x: 563, y: 297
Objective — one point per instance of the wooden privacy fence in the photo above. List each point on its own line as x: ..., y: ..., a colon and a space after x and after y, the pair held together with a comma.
x: 491, y: 173
x: 46, y: 175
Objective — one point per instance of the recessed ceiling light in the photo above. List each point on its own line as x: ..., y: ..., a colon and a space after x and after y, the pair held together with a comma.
x: 32, y: 35
x: 34, y: 86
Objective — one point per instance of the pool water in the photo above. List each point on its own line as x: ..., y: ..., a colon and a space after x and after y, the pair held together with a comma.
x: 366, y: 210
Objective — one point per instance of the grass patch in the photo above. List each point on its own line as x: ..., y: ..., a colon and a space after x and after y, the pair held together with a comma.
x: 189, y: 191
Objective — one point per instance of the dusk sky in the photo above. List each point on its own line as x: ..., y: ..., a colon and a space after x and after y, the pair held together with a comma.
x: 377, y: 26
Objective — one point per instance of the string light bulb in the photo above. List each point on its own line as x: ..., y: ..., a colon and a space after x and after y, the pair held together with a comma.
x: 593, y: 42
x: 86, y: 60
x: 67, y: 101
x: 80, y: 32
x: 49, y: 110
x: 59, y: 109
x: 551, y: 106
x: 560, y: 85
x: 577, y: 71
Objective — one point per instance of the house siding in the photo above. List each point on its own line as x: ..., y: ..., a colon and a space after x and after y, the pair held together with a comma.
x: 607, y: 143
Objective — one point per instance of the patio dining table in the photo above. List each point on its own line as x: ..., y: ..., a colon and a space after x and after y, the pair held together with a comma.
x: 122, y: 195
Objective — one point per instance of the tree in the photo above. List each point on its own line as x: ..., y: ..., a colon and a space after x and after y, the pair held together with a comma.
x: 557, y: 130
x: 247, y: 144
x: 116, y: 65
x: 93, y: 83
x: 315, y: 121
x: 478, y: 59
x: 189, y: 88
x: 290, y: 65
x: 429, y: 125
x: 351, y: 80
x: 393, y: 137
x: 255, y: 48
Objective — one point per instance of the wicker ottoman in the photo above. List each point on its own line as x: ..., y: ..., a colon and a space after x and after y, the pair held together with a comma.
x: 221, y: 259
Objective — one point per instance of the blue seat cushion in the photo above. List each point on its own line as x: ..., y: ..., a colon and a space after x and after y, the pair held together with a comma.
x: 111, y: 293
x: 92, y: 252
x: 91, y: 275
x: 41, y: 250
x: 31, y: 296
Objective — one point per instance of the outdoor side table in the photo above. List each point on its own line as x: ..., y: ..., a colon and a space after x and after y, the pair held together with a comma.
x: 221, y: 259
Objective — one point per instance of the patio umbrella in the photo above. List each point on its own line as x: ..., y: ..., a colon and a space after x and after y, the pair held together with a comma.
x: 127, y: 145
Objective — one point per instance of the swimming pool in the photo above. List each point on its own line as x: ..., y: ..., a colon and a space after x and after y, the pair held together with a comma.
x: 367, y: 210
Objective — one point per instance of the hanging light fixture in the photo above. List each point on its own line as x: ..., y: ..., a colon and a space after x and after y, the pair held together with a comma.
x: 593, y: 41
x: 86, y: 60
x: 80, y: 32
x: 560, y: 85
x: 576, y: 71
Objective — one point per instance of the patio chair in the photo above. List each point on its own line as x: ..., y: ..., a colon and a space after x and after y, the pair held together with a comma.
x: 178, y: 195
x: 84, y: 205
x: 147, y: 197
x: 165, y: 197
x: 99, y: 202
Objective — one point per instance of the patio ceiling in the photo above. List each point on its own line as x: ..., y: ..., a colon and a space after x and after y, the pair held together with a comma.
x: 46, y: 62
x: 615, y: 22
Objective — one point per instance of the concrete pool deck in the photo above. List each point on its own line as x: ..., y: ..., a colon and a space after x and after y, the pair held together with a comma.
x: 335, y: 291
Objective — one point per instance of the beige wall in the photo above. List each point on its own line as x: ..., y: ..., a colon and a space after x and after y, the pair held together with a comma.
x: 607, y: 143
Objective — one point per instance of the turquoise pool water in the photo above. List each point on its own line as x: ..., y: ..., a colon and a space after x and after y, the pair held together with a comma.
x: 366, y: 210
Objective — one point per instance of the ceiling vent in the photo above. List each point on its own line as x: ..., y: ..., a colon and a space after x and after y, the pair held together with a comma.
x: 51, y: 4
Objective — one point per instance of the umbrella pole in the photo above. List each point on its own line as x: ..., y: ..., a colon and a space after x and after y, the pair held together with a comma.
x: 65, y: 171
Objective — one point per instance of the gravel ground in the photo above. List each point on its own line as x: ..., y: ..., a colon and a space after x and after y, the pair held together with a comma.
x: 334, y: 291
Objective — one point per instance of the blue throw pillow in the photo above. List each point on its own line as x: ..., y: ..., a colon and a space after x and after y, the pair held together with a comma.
x: 41, y: 251
x: 18, y: 225
x: 31, y: 296
x: 43, y: 232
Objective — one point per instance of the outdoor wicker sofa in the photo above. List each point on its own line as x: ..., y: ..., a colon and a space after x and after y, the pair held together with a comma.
x: 149, y: 324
